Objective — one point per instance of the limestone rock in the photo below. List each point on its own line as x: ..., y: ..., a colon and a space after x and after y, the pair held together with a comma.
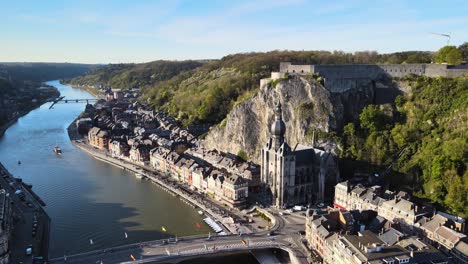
x: 306, y: 104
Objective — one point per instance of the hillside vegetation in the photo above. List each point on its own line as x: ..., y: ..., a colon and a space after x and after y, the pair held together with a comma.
x: 41, y: 71
x: 428, y: 127
x: 205, y: 95
x: 123, y: 76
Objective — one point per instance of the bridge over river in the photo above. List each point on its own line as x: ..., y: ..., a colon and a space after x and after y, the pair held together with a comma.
x: 154, y: 251
x: 62, y: 100
x: 284, y: 237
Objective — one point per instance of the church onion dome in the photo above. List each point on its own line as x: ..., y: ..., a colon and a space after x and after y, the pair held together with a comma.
x: 278, y: 128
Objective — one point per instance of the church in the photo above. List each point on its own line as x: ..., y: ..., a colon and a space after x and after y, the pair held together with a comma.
x: 301, y: 176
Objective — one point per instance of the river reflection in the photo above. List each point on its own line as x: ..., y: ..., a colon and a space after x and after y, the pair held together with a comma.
x: 86, y: 198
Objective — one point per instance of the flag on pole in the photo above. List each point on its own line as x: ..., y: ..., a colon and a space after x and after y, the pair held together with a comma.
x: 126, y: 236
x: 132, y: 257
x: 164, y: 229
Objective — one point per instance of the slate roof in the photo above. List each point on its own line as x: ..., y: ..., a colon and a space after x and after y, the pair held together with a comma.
x: 449, y: 234
x: 435, y: 222
x: 235, y: 180
x: 391, y: 236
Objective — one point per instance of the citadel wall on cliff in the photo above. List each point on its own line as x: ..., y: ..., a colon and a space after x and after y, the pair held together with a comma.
x: 327, y: 101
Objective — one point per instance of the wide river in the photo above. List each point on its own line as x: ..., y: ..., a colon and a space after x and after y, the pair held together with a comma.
x: 86, y: 198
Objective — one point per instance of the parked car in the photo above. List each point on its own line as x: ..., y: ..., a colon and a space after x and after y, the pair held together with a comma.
x: 29, y: 250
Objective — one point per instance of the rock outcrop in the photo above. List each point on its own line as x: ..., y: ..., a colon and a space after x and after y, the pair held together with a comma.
x: 307, y: 106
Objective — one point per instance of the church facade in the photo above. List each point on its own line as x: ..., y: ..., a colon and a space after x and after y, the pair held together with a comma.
x: 303, y: 175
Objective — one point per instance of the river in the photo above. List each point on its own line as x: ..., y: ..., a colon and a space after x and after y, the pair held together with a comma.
x: 86, y: 198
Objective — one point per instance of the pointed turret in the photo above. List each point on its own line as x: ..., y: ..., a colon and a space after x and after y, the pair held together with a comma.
x: 278, y: 128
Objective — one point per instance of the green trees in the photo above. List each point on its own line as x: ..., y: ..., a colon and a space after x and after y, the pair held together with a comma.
x: 450, y: 55
x: 432, y: 130
x: 372, y: 118
x: 464, y: 50
x: 206, y: 94
x: 123, y: 76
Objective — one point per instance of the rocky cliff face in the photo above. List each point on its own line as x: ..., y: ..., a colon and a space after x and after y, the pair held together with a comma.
x: 306, y: 104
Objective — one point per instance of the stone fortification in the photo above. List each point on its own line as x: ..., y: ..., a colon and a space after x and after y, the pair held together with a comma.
x: 371, y: 71
x: 341, y: 78
x: 325, y: 102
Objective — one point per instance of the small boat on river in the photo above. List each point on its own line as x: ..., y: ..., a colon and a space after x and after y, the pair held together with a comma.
x: 139, y: 176
x: 58, y: 150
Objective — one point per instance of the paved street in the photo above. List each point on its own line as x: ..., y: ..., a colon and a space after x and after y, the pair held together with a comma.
x: 285, y: 227
x: 285, y: 236
x: 28, y: 215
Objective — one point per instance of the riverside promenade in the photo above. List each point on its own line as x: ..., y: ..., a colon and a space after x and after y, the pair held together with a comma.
x: 281, y: 234
x: 210, y: 208
x: 29, y: 225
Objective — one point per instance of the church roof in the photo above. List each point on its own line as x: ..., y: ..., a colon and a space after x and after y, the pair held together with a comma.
x: 304, y: 154
x: 278, y: 128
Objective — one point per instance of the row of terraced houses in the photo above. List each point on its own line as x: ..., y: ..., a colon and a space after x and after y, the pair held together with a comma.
x: 133, y: 132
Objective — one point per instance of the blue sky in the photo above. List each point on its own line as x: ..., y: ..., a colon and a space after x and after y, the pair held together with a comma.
x: 104, y: 31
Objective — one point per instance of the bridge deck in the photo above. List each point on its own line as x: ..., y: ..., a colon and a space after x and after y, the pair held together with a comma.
x: 152, y: 251
x: 62, y: 100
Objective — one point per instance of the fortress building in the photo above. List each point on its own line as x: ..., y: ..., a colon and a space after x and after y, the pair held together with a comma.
x: 304, y: 175
x: 339, y: 78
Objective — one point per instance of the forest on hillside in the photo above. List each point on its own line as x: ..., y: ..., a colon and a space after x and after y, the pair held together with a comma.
x: 206, y: 94
x: 19, y: 83
x: 42, y: 71
x: 424, y: 135
x: 124, y: 76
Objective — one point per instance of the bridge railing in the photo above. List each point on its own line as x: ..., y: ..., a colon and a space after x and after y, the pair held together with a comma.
x: 209, y: 251
x: 116, y: 249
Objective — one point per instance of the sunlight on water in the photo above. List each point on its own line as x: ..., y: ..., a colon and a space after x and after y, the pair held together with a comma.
x: 87, y: 198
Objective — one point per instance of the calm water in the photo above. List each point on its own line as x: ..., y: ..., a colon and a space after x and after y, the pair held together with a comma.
x: 88, y: 199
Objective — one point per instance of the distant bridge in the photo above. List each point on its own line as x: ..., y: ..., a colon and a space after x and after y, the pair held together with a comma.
x: 62, y: 100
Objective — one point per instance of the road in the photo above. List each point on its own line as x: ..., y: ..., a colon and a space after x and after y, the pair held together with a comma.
x: 27, y: 212
x: 285, y: 236
x: 285, y: 228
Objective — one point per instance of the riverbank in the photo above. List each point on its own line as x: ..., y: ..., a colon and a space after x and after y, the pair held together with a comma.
x: 31, y: 225
x: 185, y: 194
x: 95, y: 92
x: 4, y: 127
x: 160, y: 180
